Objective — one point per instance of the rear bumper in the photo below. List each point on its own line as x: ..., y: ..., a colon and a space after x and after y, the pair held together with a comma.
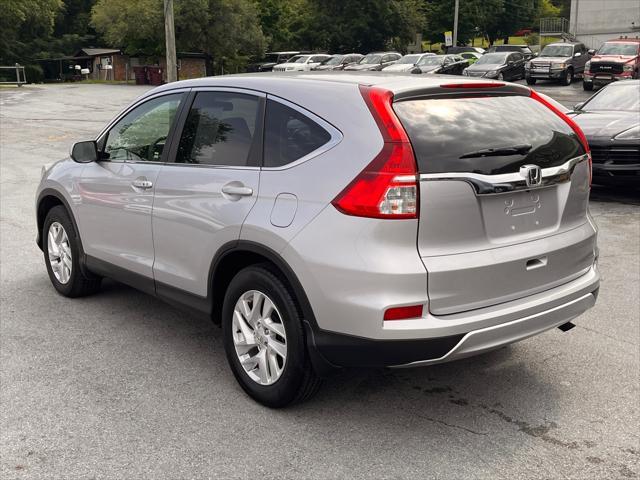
x: 456, y: 336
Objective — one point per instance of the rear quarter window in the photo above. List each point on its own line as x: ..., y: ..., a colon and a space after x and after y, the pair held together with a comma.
x: 444, y: 132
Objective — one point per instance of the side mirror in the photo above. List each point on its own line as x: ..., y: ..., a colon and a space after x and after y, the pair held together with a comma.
x: 578, y: 106
x: 577, y: 54
x: 85, y: 152
x: 591, y: 51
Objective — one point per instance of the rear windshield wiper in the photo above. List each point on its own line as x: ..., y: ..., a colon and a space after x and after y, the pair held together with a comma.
x: 494, y: 152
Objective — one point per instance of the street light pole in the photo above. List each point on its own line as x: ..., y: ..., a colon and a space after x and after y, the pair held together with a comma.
x: 455, y: 23
x: 170, y: 41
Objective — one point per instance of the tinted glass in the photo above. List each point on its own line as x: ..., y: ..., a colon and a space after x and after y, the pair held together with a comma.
x: 616, y: 48
x: 615, y: 97
x: 289, y: 135
x: 492, y: 59
x: 557, y: 51
x: 409, y: 59
x: 141, y: 134
x: 447, y: 134
x: 219, y: 129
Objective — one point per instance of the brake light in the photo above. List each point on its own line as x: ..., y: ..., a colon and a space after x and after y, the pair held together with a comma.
x: 403, y: 313
x: 388, y: 186
x: 569, y: 121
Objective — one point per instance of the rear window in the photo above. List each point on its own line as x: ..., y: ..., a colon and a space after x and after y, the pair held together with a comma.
x: 453, y: 135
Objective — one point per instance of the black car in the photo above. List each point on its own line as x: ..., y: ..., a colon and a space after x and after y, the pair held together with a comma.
x: 339, y: 62
x: 375, y: 61
x: 610, y: 119
x: 458, y: 50
x: 523, y: 49
x: 502, y: 66
x: 443, y: 64
x: 270, y: 60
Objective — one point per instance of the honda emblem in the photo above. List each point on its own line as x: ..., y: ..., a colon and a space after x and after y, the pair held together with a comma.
x: 532, y: 175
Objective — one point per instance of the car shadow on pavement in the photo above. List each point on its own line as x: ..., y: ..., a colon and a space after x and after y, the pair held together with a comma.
x: 615, y: 194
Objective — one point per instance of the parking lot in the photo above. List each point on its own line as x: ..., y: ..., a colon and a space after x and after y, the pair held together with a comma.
x: 121, y: 385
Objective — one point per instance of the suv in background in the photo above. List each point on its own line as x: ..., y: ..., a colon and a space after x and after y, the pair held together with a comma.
x: 617, y: 59
x: 523, y: 49
x: 332, y: 220
x: 557, y: 61
x: 338, y: 62
x: 375, y: 61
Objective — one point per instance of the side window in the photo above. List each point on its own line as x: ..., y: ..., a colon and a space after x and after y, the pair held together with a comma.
x: 219, y: 129
x: 289, y: 135
x: 141, y: 134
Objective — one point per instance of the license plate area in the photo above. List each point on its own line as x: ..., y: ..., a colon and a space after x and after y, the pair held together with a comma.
x: 526, y: 214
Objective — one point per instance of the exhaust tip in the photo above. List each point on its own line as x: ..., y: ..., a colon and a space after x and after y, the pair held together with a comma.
x: 565, y: 327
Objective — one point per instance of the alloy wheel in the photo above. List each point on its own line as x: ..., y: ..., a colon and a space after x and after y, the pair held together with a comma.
x: 59, y: 251
x: 259, y: 337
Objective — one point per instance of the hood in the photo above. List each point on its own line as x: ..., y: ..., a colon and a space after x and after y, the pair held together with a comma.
x: 328, y: 67
x: 485, y: 67
x: 605, y: 123
x: 613, y: 58
x: 550, y: 59
x: 399, y: 67
x: 359, y: 67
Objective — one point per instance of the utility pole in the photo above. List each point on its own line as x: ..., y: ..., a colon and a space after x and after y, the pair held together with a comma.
x: 455, y: 23
x: 170, y: 39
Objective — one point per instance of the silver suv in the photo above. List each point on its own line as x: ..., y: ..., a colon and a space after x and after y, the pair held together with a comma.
x: 380, y: 221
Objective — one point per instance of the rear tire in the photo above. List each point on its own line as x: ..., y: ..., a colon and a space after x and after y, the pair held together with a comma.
x: 62, y: 256
x: 531, y: 81
x: 287, y: 380
x: 588, y: 87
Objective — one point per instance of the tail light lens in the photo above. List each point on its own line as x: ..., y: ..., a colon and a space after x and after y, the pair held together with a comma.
x: 403, y: 313
x: 388, y: 186
x: 569, y: 121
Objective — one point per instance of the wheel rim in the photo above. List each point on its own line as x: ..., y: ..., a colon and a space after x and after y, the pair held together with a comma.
x: 569, y: 76
x: 500, y: 76
x: 259, y: 337
x: 59, y: 253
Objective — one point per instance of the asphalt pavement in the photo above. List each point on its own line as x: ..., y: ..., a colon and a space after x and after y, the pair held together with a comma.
x: 120, y: 385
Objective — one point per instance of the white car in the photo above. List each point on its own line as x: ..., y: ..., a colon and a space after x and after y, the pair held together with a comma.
x: 406, y: 63
x: 301, y: 63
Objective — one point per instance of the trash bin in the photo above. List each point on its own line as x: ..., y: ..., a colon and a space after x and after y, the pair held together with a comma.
x: 155, y: 75
x: 140, y: 72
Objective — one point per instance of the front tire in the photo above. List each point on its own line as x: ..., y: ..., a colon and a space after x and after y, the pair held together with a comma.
x: 62, y: 256
x: 531, y: 81
x: 587, y: 86
x: 567, y: 78
x: 264, y: 339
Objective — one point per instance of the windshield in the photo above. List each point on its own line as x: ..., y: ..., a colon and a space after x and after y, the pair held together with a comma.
x: 430, y: 60
x: 302, y: 59
x: 409, y: 59
x: 371, y: 59
x: 335, y: 60
x: 492, y: 59
x: 557, y: 51
x: 618, y: 49
x: 615, y: 97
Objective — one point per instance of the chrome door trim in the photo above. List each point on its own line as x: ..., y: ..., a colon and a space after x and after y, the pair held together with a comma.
x: 509, y: 182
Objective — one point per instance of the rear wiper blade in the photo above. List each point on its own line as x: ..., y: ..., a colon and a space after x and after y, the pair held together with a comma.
x: 494, y: 152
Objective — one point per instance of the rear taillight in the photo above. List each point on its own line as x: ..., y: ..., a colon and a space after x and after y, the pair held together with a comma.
x: 388, y: 186
x: 569, y: 121
x: 403, y: 313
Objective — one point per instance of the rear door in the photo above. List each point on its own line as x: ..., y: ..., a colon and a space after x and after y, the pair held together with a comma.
x: 488, y: 234
x: 207, y: 189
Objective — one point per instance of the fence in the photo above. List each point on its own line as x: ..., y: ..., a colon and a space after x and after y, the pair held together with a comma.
x: 21, y: 78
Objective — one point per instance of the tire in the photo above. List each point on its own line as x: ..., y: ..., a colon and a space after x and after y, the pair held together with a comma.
x: 500, y: 76
x: 531, y: 81
x: 70, y: 282
x: 567, y: 77
x: 587, y: 86
x: 297, y: 380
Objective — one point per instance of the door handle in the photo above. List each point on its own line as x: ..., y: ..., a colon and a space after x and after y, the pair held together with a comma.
x: 238, y: 190
x: 142, y: 183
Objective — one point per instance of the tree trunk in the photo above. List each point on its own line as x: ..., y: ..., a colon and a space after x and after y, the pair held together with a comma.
x: 505, y: 39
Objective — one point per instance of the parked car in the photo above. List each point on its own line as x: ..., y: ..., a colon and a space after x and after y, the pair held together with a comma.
x: 615, y: 60
x: 502, y: 66
x: 310, y: 237
x: 471, y: 57
x: 442, y: 64
x: 459, y: 50
x: 301, y: 63
x: 338, y: 62
x: 611, y: 121
x: 407, y: 63
x: 557, y: 61
x: 375, y: 61
x: 270, y: 60
x: 523, y: 49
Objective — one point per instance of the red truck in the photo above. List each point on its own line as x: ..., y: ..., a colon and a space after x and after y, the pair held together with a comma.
x: 617, y: 59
